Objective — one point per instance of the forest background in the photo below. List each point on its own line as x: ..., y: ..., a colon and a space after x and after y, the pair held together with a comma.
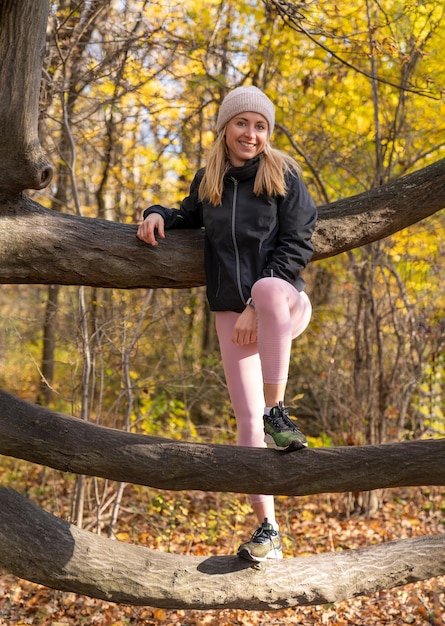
x: 130, y: 93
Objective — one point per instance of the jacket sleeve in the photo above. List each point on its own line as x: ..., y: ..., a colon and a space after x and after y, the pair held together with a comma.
x: 297, y: 215
x: 189, y: 214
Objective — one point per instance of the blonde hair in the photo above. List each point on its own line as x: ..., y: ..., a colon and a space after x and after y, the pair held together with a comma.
x: 270, y: 178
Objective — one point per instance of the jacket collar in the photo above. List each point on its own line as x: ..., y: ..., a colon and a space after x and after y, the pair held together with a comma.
x: 246, y: 171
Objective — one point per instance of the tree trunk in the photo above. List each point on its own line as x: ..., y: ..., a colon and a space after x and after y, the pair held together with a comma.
x: 49, y: 345
x: 39, y: 246
x: 22, y: 47
x: 66, y: 443
x: 42, y: 548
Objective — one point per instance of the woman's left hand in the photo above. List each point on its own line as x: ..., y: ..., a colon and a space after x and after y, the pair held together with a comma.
x: 244, y: 331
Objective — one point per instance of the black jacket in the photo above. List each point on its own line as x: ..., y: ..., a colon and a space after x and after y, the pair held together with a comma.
x: 247, y: 237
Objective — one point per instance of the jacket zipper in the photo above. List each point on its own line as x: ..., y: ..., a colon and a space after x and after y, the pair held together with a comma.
x: 235, y: 245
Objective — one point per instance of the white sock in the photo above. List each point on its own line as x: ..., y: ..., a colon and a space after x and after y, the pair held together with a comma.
x: 273, y: 523
x: 267, y: 410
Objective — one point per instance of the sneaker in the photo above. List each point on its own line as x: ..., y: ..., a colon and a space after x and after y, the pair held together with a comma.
x: 265, y: 543
x: 281, y: 431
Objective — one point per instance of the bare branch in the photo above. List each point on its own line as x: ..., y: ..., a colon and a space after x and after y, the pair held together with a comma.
x: 294, y: 19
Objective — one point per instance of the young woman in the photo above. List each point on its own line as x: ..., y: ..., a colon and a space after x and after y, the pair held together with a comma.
x: 259, y: 219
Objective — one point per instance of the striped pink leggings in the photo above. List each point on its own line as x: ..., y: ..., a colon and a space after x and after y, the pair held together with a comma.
x: 283, y: 313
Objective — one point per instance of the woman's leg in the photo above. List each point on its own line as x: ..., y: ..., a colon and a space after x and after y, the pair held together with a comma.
x: 283, y: 313
x: 244, y: 379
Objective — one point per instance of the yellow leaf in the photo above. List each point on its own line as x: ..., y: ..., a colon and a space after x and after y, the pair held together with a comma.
x: 307, y: 516
x: 123, y: 536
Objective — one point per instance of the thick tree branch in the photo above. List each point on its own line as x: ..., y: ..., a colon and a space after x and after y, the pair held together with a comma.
x: 45, y: 549
x: 39, y: 435
x: 38, y: 246
x: 380, y: 212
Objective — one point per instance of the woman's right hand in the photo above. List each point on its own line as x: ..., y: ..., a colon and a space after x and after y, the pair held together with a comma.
x: 245, y: 329
x: 146, y: 231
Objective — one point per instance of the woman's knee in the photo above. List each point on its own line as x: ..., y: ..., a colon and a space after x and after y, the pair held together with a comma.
x: 267, y: 290
x: 301, y: 314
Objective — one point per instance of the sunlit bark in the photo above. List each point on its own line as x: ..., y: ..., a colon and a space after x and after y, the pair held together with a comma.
x: 45, y: 549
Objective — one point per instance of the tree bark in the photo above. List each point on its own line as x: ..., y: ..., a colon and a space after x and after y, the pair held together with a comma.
x: 378, y: 213
x: 45, y: 549
x: 66, y: 443
x: 39, y: 246
x: 22, y: 46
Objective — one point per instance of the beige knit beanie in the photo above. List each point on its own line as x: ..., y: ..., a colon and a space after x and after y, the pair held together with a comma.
x: 243, y: 99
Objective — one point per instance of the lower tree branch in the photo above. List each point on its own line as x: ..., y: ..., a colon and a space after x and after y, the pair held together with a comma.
x: 66, y: 443
x: 40, y: 547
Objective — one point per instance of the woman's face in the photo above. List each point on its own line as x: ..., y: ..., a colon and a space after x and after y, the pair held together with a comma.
x: 246, y: 136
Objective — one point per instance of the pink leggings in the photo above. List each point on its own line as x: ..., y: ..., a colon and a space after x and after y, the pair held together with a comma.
x: 283, y: 313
